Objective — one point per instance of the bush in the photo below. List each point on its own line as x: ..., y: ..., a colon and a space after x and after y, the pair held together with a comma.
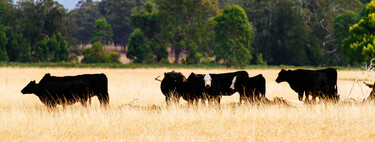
x: 18, y: 48
x: 95, y: 54
x: 114, y: 57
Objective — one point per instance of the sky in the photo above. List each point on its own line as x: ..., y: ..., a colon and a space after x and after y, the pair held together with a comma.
x: 68, y: 4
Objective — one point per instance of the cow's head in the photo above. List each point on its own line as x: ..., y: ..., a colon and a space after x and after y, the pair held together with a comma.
x: 30, y: 88
x: 174, y: 77
x: 207, y: 80
x: 282, y: 76
x: 45, y: 78
x: 233, y: 82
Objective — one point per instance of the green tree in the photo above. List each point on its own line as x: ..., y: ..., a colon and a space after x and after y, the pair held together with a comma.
x: 233, y: 37
x: 6, y: 13
x: 84, y: 20
x: 102, y: 32
x: 39, y: 19
x: 149, y: 22
x: 95, y: 54
x: 41, y: 51
x: 62, y: 54
x: 137, y: 48
x: 365, y: 1
x: 117, y: 13
x: 182, y: 22
x: 18, y: 48
x: 3, y: 43
x: 341, y: 30
x: 359, y: 45
x: 297, y: 32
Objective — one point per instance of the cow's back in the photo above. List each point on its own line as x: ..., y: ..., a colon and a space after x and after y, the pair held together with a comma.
x: 221, y: 82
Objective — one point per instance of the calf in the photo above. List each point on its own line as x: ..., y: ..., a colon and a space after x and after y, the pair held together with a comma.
x: 249, y: 88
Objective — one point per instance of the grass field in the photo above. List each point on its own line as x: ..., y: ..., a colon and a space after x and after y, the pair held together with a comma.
x: 138, y: 112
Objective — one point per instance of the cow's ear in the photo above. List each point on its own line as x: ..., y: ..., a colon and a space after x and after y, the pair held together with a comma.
x: 165, y: 74
x: 282, y: 69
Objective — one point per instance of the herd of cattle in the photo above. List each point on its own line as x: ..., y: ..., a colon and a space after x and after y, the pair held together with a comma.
x: 322, y: 84
x: 211, y: 87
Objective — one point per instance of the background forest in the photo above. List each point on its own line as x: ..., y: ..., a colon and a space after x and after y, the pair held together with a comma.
x: 229, y: 32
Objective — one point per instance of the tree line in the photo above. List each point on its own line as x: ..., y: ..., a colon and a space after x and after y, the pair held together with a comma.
x: 230, y: 32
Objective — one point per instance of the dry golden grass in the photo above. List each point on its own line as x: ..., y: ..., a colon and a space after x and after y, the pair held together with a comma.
x: 138, y: 112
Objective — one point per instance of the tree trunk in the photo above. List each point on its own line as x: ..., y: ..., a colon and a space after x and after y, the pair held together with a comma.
x: 177, y: 52
x: 123, y: 43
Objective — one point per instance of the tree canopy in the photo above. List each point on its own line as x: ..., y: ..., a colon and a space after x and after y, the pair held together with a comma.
x: 291, y: 32
x: 359, y: 45
x: 233, y: 37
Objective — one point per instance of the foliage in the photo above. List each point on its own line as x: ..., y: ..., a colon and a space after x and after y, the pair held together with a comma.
x: 138, y: 50
x: 149, y: 22
x: 102, y: 32
x: 41, y: 51
x: 296, y: 32
x: 233, y: 37
x: 114, y: 57
x: 182, y: 22
x: 359, y: 45
x: 341, y: 28
x: 95, y: 54
x: 54, y: 49
x: 117, y: 13
x: 83, y: 19
x: 3, y: 43
x: 18, y: 49
x: 365, y: 1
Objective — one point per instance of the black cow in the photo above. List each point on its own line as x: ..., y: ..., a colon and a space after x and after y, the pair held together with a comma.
x: 174, y: 86
x: 219, y: 84
x: 52, y: 93
x: 249, y: 88
x: 193, y: 89
x: 319, y: 83
x: 169, y: 85
x: 97, y: 84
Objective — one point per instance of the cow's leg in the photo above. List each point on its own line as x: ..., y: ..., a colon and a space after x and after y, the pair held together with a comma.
x: 313, y: 97
x: 203, y: 99
x: 83, y: 102
x: 167, y: 100
x: 241, y: 97
x: 103, y: 99
x: 218, y: 100
x: 300, y: 95
x: 307, y: 99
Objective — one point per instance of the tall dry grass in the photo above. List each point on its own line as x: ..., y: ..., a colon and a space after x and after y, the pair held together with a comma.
x: 138, y: 112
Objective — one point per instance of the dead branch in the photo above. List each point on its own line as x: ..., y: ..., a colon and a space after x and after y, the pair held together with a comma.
x: 157, y: 79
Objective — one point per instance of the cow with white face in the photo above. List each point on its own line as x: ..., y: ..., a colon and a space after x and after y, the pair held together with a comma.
x: 207, y: 80
x: 218, y: 85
